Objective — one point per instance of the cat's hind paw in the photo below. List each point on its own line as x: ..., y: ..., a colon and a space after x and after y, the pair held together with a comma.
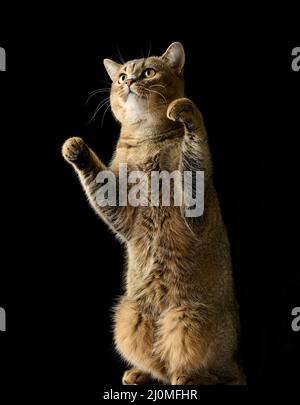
x: 135, y: 376
x: 182, y: 380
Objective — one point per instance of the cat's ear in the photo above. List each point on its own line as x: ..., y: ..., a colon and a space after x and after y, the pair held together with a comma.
x: 175, y: 57
x: 112, y: 68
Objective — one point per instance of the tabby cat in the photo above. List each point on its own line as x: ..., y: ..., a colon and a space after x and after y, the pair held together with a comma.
x: 177, y: 321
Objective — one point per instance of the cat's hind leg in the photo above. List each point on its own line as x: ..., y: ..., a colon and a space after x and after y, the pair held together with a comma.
x: 134, y: 338
x: 194, y: 378
x: 234, y: 374
x: 182, y: 344
x: 230, y: 374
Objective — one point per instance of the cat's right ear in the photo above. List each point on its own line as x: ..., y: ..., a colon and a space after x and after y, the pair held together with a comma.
x: 112, y: 68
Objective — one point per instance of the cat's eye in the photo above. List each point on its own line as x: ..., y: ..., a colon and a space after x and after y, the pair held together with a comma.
x: 148, y: 73
x: 122, y: 78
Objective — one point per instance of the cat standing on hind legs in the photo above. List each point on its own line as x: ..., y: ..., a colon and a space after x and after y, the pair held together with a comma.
x: 177, y: 321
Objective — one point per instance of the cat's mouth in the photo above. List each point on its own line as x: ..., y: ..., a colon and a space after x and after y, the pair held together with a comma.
x: 134, y: 91
x: 131, y: 91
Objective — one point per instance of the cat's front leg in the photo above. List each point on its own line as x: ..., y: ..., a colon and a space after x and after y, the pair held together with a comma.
x: 185, y: 111
x: 87, y: 164
x: 195, y: 154
x: 195, y: 161
x: 77, y: 153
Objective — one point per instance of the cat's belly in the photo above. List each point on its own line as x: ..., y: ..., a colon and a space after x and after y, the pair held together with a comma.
x: 161, y: 257
x: 160, y: 317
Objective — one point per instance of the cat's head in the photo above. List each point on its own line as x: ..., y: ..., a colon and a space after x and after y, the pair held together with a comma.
x: 143, y: 88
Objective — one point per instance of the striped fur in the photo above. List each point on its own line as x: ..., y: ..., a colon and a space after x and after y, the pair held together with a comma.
x: 178, y: 319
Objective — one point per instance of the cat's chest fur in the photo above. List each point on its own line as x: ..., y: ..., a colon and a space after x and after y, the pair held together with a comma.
x: 161, y: 245
x: 147, y: 156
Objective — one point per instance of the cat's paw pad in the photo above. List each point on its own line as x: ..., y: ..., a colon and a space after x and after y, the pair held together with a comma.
x: 135, y: 377
x: 75, y: 151
x: 181, y: 109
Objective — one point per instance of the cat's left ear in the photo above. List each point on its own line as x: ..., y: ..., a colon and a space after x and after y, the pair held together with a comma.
x: 112, y: 68
x: 175, y: 57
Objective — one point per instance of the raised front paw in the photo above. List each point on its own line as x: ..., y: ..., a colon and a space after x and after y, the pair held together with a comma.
x: 185, y: 111
x: 75, y: 151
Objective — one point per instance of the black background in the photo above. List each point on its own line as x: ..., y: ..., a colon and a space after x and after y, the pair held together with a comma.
x: 62, y: 268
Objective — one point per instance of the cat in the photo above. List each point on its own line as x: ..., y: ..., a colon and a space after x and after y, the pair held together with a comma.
x: 177, y: 321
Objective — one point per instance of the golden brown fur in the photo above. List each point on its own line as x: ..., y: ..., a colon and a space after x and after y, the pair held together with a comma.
x: 178, y: 319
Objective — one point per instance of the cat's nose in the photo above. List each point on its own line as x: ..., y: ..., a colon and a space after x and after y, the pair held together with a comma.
x: 130, y: 81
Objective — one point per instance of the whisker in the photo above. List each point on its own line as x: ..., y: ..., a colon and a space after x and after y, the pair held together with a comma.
x: 104, y: 114
x: 149, y: 50
x: 148, y: 96
x: 93, y: 93
x: 148, y: 102
x: 99, y: 90
x: 120, y: 56
x: 158, y: 85
x: 101, y: 104
x: 157, y: 92
x: 104, y: 81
